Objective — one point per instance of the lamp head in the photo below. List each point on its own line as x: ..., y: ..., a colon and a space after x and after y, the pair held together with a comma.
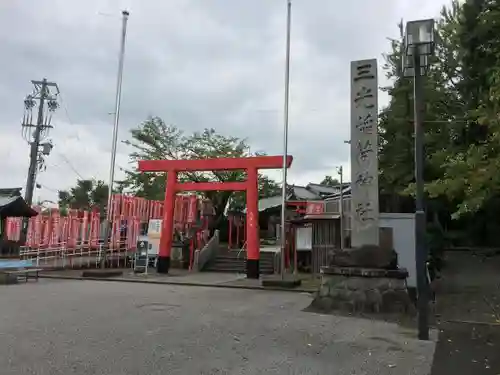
x: 418, y: 47
x: 419, y: 37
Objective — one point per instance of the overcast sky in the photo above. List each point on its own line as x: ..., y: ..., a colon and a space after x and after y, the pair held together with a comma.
x: 196, y: 64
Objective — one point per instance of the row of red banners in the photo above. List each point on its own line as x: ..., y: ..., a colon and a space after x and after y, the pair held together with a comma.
x: 185, y: 211
x: 71, y: 232
x: 83, y: 228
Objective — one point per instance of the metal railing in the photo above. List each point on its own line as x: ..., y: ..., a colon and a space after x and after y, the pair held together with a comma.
x: 207, y: 253
x: 82, y: 256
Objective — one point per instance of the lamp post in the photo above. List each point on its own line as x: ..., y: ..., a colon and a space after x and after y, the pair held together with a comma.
x: 418, y: 47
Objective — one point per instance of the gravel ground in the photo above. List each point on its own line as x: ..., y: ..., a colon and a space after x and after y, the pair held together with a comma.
x: 86, y: 327
x: 468, y: 309
x: 468, y: 349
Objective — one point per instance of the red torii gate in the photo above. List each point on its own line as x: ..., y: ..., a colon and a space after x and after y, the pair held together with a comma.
x: 251, y: 165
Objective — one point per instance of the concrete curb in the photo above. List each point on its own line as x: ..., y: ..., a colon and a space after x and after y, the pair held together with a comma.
x: 181, y: 283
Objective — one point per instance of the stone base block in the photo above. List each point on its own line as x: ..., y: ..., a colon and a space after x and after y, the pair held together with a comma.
x: 102, y: 273
x: 363, y: 295
x: 368, y: 256
x: 6, y: 279
x: 287, y: 283
x: 253, y: 268
x: 163, y: 264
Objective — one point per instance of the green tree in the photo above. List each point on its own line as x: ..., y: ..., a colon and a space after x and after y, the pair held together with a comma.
x: 462, y: 130
x: 471, y: 171
x: 330, y: 181
x: 85, y: 195
x: 154, y: 140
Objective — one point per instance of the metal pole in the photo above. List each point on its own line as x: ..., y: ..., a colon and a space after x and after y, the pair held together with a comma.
x: 341, y: 208
x: 285, y: 137
x: 420, y: 220
x: 35, y: 144
x: 125, y: 15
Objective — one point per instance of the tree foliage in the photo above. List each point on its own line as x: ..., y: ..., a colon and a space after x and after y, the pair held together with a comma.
x: 85, y: 195
x: 461, y: 123
x: 471, y: 172
x: 330, y: 181
x: 154, y: 140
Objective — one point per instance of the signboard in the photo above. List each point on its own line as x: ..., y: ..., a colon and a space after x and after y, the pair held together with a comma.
x: 154, y: 235
x: 141, y: 257
x: 303, y: 238
x: 364, y: 155
x: 154, y: 228
x: 142, y: 247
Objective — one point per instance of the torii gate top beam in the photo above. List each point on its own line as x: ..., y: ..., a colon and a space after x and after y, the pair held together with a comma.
x: 215, y: 164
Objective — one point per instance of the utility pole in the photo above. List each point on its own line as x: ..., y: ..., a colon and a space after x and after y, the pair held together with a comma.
x: 46, y: 94
x: 121, y: 58
x: 340, y: 171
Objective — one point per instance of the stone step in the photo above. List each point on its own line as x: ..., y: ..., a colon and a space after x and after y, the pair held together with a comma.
x: 225, y: 259
x: 243, y: 254
x: 220, y: 268
x: 239, y: 263
x: 235, y: 261
x: 231, y: 264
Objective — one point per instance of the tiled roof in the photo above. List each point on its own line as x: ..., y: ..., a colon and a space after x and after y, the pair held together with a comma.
x: 323, y: 189
x: 11, y: 192
x: 15, y: 207
x: 345, y: 192
x: 5, y: 200
x: 302, y: 193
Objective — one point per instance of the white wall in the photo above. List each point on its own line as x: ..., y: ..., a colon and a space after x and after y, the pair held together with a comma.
x: 403, y: 232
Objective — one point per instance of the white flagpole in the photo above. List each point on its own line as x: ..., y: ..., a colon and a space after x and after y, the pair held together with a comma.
x: 107, y: 231
x: 285, y: 137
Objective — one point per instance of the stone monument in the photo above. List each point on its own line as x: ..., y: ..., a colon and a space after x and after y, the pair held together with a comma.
x: 365, y: 278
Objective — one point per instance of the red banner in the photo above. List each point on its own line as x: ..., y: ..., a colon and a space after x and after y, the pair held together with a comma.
x: 192, y: 209
x: 315, y: 208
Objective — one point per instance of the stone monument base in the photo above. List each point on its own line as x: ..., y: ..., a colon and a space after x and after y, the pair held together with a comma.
x: 363, y: 291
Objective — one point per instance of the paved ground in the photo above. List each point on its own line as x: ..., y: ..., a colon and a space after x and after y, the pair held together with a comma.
x: 468, y: 307
x: 73, y: 327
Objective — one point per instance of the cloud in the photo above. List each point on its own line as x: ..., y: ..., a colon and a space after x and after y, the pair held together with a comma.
x: 196, y: 64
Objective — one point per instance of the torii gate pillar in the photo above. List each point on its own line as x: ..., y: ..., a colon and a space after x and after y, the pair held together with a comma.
x: 251, y: 165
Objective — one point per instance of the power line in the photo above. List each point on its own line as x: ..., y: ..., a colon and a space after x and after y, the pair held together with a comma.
x: 76, y: 136
x: 66, y: 160
x: 66, y: 112
x: 48, y: 188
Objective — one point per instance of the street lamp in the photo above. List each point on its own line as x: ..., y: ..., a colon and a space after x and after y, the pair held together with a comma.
x: 418, y: 48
